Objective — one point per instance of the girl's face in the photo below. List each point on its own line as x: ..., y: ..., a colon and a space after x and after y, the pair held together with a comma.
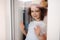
x: 35, y: 12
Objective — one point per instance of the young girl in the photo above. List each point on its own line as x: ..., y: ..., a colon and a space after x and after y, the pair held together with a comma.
x: 37, y: 14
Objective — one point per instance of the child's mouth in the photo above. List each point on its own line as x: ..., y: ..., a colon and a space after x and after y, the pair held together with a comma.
x: 35, y: 16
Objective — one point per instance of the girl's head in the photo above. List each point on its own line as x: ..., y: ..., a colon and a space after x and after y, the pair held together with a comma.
x: 36, y: 12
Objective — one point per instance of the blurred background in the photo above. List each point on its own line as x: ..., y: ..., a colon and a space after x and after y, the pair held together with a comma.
x: 5, y: 20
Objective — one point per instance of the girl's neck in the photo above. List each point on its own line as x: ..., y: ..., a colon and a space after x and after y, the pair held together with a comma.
x: 37, y: 19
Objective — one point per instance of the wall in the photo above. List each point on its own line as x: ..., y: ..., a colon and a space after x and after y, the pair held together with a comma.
x: 5, y: 20
x: 2, y: 20
x: 53, y: 20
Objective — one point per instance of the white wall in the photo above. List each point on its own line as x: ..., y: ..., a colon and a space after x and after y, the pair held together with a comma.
x: 5, y: 21
x: 53, y: 20
x: 2, y: 20
x: 8, y: 19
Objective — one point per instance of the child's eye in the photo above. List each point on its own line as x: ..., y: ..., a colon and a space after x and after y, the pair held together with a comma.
x: 32, y: 11
x: 37, y: 10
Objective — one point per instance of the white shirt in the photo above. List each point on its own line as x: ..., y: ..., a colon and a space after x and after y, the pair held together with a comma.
x: 31, y: 34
